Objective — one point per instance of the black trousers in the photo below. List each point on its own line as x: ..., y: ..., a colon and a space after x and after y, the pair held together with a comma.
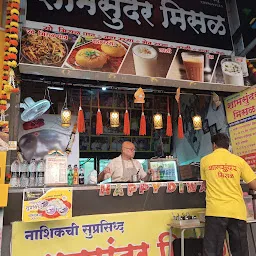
x: 215, y: 234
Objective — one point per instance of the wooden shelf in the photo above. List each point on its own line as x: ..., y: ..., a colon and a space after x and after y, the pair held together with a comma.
x: 128, y: 79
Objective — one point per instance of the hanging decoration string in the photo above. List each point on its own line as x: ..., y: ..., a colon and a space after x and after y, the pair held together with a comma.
x: 126, y: 118
x: 180, y: 122
x: 80, y: 117
x: 71, y: 140
x: 169, y: 119
x: 143, y: 127
x: 99, y: 124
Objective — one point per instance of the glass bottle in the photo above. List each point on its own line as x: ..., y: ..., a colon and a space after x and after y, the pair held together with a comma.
x: 81, y: 175
x: 75, y: 177
x: 70, y: 176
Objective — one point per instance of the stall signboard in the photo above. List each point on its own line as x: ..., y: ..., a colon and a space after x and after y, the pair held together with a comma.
x: 241, y: 117
x: 134, y: 233
x: 198, y: 23
x: 40, y: 204
x: 123, y: 41
x: 73, y: 54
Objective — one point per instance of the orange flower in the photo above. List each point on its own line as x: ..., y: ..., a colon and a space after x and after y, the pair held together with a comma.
x: 12, y: 56
x: 14, y: 43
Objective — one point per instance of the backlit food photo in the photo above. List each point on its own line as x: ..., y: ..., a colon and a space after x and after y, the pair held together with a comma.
x: 43, y: 50
x: 97, y: 54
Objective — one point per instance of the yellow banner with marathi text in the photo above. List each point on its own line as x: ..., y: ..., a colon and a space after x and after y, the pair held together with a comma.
x: 134, y: 233
x: 241, y: 116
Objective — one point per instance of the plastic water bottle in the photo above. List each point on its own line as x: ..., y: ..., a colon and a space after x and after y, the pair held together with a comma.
x: 70, y: 175
x: 40, y: 173
x: 32, y: 173
x: 15, y: 179
x: 81, y: 175
x: 24, y: 174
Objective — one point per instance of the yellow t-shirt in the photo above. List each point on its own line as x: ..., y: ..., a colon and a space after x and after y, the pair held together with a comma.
x: 222, y: 172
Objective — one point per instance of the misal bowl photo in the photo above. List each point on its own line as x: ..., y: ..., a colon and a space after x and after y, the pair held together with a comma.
x: 48, y: 51
x: 97, y: 55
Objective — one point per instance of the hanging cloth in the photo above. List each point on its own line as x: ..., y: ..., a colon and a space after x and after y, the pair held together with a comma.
x: 99, y: 125
x: 169, y: 119
x: 126, y: 118
x: 80, y: 118
x: 143, y: 126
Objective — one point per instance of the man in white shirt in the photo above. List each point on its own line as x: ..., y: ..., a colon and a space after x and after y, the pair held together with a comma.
x: 122, y: 168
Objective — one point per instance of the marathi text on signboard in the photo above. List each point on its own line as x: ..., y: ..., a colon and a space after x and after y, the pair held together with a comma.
x: 201, y: 23
x: 241, y: 116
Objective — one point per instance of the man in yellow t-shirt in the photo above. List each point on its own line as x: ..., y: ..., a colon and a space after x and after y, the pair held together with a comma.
x: 225, y: 207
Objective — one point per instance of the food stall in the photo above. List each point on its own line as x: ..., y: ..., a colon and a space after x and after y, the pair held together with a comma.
x: 85, y: 89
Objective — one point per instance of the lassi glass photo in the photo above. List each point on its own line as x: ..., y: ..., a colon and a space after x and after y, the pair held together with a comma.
x: 145, y: 60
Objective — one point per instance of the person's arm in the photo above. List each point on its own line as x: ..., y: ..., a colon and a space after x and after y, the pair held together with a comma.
x: 143, y: 175
x: 148, y: 175
x: 202, y: 170
x: 248, y: 175
x: 107, y: 170
x: 252, y: 184
x: 101, y: 176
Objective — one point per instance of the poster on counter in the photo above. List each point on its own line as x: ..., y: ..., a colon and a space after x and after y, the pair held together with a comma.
x: 40, y: 204
x: 120, y: 55
x: 241, y: 117
x: 133, y: 233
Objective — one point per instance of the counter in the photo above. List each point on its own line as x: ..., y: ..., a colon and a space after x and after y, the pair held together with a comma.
x: 144, y: 218
x: 86, y: 200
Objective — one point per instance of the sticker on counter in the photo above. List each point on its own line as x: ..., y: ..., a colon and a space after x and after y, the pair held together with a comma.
x: 42, y: 205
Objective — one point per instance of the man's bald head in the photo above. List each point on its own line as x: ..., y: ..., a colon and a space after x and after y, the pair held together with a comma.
x: 128, y: 150
x: 128, y: 144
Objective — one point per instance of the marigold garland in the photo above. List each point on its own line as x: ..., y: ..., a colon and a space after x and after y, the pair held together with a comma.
x: 10, y: 52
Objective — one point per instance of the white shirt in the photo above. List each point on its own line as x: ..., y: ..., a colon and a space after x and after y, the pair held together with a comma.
x: 117, y: 169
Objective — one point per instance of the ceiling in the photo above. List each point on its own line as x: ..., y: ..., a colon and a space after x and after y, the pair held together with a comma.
x: 247, y: 15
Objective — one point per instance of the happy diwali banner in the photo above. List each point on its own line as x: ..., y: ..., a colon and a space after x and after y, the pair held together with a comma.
x: 141, y: 188
x: 74, y: 50
x: 241, y: 117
